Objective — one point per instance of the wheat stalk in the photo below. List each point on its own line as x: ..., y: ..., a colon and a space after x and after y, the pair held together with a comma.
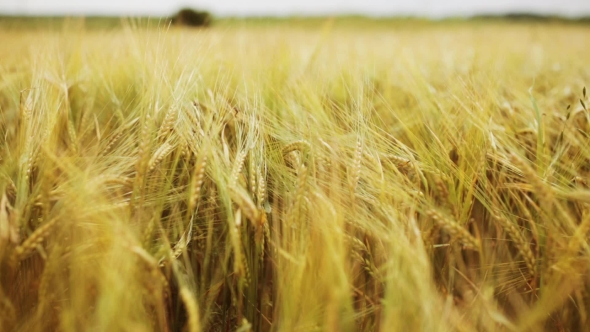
x: 7, y: 310
x: 192, y: 309
x: 245, y: 203
x: 112, y: 143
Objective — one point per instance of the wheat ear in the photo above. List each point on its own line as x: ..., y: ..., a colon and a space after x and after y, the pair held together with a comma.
x: 23, y: 250
x: 168, y: 123
x: 542, y: 190
x: 197, y: 182
x: 294, y: 211
x: 237, y: 169
x: 356, y: 165
x: 296, y: 146
x: 455, y: 230
x: 112, y: 143
x: 261, y: 188
x: 159, y: 155
x: 522, y: 245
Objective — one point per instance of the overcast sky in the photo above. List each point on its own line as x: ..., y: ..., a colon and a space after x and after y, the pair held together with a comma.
x: 434, y: 8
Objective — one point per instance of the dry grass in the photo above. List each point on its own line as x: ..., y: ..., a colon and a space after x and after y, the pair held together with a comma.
x: 428, y: 177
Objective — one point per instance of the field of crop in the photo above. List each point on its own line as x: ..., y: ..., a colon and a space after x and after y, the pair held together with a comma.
x: 326, y: 176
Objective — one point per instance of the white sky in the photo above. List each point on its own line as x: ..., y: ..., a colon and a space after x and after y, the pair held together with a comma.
x: 434, y: 8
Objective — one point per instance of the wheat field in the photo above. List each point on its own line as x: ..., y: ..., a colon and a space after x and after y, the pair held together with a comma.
x: 295, y: 177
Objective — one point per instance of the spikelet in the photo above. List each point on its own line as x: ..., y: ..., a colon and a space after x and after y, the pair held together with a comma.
x: 237, y: 169
x: 197, y: 182
x: 259, y: 232
x: 148, y: 231
x: 356, y: 166
x: 35, y: 239
x: 300, y: 146
x: 11, y: 191
x: 455, y: 230
x: 246, y: 277
x: 182, y: 243
x: 192, y: 310
x: 185, y: 151
x: 30, y: 158
x: 26, y: 107
x: 355, y: 243
x: 73, y: 137
x: 167, y: 123
x: 266, y: 232
x: 542, y: 190
x: 366, y: 264
x: 441, y: 188
x: 294, y: 210
x: 522, y: 245
x: 261, y: 189
x: 398, y: 161
x: 358, y: 256
x: 252, y: 175
x: 429, y: 236
x: 29, y: 167
x: 292, y: 159
x: 162, y: 152
x: 193, y: 115
x: 84, y: 121
x: 144, y: 141
x: 112, y: 143
x: 236, y: 244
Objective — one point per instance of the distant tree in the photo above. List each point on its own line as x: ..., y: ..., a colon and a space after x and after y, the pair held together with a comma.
x: 193, y: 18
